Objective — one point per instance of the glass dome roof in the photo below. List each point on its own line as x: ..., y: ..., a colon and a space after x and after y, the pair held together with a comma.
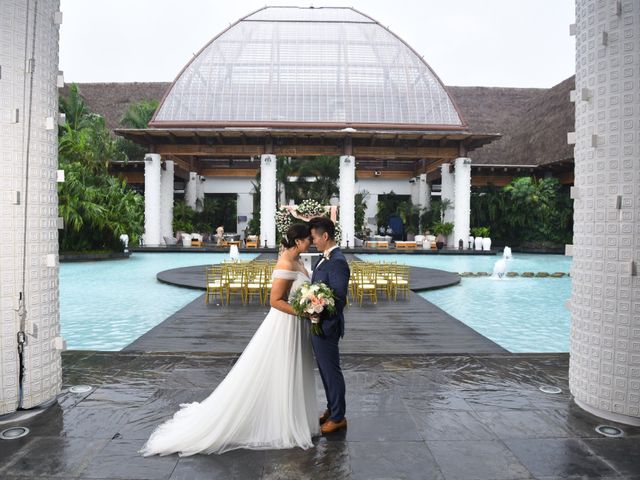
x: 307, y: 66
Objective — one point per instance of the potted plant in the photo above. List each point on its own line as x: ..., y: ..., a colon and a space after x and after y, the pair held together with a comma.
x: 486, y: 240
x: 442, y: 231
x: 482, y: 240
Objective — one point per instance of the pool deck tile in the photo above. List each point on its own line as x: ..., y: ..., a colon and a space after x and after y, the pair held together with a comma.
x: 410, y: 416
x: 411, y: 325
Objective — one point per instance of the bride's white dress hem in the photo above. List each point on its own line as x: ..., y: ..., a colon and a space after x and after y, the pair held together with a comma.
x: 267, y: 400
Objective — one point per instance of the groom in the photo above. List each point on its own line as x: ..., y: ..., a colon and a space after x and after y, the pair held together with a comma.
x: 332, y: 270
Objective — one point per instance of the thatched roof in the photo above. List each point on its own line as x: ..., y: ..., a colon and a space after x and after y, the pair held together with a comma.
x: 534, y: 122
x: 111, y: 100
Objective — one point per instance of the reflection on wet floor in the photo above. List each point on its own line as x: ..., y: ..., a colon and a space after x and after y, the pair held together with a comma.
x: 410, y: 416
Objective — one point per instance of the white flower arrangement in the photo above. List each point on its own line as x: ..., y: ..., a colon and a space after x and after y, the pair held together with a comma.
x: 310, y: 208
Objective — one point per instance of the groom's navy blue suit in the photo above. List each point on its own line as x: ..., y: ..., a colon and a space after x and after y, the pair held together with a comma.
x: 335, y: 273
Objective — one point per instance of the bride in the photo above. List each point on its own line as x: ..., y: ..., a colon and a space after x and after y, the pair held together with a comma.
x: 268, y: 399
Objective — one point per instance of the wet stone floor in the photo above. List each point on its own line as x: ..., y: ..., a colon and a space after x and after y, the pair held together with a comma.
x: 417, y: 416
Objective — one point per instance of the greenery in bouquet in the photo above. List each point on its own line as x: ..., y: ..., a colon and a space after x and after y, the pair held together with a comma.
x: 313, y: 299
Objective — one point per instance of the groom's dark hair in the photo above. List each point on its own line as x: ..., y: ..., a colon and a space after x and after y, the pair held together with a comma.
x: 322, y: 225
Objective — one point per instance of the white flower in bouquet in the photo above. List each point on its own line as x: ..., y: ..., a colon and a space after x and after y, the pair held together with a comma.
x: 313, y: 300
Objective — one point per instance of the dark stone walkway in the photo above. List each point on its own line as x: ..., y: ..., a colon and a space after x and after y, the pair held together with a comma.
x: 389, y: 327
x: 410, y: 416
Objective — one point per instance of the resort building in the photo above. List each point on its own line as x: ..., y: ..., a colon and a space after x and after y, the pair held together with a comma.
x: 532, y: 125
x: 305, y: 82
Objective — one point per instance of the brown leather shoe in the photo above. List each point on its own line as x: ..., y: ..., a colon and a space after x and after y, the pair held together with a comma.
x: 330, y: 426
x: 325, y: 416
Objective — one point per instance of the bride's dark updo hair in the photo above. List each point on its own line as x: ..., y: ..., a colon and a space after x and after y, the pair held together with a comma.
x: 297, y: 231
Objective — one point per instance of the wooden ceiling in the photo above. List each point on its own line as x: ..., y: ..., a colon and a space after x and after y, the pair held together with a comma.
x: 207, y: 150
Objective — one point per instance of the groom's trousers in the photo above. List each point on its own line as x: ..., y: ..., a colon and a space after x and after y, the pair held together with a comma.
x: 328, y: 359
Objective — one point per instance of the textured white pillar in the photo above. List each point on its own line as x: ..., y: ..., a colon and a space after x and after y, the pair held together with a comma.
x: 199, y: 193
x: 152, y: 199
x: 604, y: 371
x: 427, y: 202
x: 421, y: 180
x: 28, y: 203
x: 244, y: 208
x: 268, y: 200
x: 448, y: 193
x: 414, y: 190
x: 166, y: 200
x: 347, y: 208
x: 462, y: 210
x: 191, y: 190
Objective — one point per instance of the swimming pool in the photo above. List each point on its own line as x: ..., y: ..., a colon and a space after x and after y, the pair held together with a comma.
x: 107, y: 305
x: 520, y: 314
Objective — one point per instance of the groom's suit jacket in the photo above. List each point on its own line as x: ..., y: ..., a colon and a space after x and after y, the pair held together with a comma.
x: 335, y: 273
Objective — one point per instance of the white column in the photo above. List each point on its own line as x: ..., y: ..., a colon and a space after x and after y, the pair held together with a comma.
x: 421, y: 183
x: 152, y: 199
x: 166, y: 200
x: 371, y: 211
x: 604, y: 361
x: 427, y: 192
x: 347, y: 211
x: 244, y: 207
x: 448, y: 193
x: 28, y: 205
x: 462, y: 211
x: 268, y: 200
x: 415, y: 190
x: 191, y: 190
x: 199, y: 193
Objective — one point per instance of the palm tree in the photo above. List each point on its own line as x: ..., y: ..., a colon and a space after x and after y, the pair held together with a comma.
x: 139, y: 114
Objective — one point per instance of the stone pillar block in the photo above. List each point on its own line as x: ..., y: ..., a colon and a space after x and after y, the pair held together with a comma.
x: 152, y: 199
x: 166, y: 200
x: 268, y: 200
x: 347, y: 185
x: 604, y: 370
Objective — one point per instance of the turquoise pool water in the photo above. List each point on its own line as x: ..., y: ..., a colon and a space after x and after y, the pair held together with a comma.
x: 479, y: 263
x: 107, y: 305
x: 520, y: 314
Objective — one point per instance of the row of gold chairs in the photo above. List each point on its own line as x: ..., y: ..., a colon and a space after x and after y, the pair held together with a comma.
x: 372, y: 280
x: 246, y: 280
x: 241, y: 279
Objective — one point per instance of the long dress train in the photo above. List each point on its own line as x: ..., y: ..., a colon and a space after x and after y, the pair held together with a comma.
x: 267, y: 400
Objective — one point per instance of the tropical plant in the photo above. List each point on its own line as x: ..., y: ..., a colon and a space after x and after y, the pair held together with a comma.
x: 528, y: 211
x: 286, y: 168
x: 444, y: 228
x: 482, y: 232
x: 96, y: 208
x: 139, y: 114
x: 326, y: 172
x: 360, y: 211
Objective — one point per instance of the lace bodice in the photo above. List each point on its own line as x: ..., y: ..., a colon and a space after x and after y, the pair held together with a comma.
x: 298, y: 279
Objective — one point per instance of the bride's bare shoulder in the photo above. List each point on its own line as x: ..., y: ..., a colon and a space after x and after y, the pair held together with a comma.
x: 284, y: 264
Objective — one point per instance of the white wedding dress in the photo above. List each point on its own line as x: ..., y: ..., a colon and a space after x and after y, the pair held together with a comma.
x: 267, y: 400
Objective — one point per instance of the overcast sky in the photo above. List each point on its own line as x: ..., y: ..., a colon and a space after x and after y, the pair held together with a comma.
x: 509, y: 43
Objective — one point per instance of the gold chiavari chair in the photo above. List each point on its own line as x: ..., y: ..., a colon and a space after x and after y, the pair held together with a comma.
x: 401, y: 281
x: 383, y: 278
x: 234, y: 278
x: 215, y: 284
x: 366, y: 284
x: 254, y: 282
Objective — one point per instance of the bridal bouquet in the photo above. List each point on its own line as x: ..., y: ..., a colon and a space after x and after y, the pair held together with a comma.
x: 313, y: 299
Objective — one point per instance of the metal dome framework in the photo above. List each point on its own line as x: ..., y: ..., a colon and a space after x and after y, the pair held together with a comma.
x: 308, y: 66
x: 342, y: 85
